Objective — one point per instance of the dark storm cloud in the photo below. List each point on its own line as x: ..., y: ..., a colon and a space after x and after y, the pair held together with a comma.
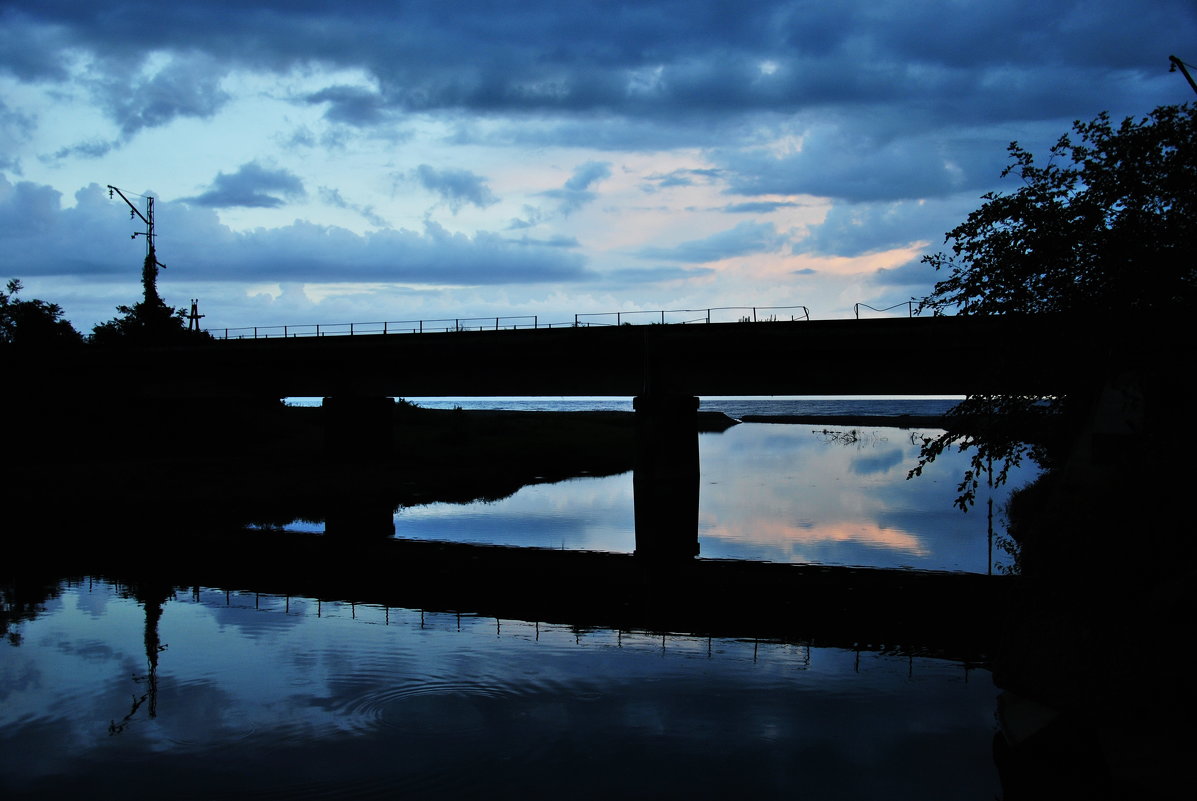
x: 456, y: 187
x: 886, y: 98
x: 252, y: 186
x: 746, y: 238
x: 636, y: 58
x: 90, y: 240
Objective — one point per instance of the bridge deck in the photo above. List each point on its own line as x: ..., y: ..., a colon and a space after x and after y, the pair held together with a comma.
x: 935, y: 355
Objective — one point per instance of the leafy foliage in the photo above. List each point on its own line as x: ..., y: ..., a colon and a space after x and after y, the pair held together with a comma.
x: 146, y: 323
x: 1001, y: 430
x: 33, y: 322
x: 1106, y: 226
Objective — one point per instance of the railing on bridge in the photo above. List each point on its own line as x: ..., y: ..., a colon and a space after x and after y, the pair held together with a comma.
x: 669, y: 316
x: 911, y: 311
x: 743, y: 314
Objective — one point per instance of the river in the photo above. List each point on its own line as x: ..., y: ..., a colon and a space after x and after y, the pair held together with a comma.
x: 150, y: 691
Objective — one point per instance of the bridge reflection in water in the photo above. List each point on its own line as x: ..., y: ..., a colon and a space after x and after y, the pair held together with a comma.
x: 662, y: 586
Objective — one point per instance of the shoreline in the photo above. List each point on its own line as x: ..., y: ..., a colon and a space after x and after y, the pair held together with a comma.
x: 889, y: 421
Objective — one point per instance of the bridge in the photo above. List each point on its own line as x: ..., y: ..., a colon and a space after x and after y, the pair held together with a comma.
x: 931, y: 355
x: 665, y: 367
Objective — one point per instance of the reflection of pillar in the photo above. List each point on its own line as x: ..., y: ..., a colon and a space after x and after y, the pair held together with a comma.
x: 665, y: 480
x: 358, y: 426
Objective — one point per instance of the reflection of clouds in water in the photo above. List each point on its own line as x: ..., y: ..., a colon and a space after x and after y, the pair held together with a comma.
x: 765, y: 532
x: 582, y: 513
x: 756, y: 479
x: 330, y: 700
x: 797, y: 493
x: 878, y: 463
x: 846, y: 542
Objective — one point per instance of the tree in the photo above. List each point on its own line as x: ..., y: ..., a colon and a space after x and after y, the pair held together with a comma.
x: 149, y: 322
x: 146, y: 323
x: 1107, y: 225
x: 33, y: 322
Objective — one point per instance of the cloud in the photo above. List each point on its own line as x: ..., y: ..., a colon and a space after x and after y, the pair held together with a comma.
x: 746, y: 238
x: 856, y: 229
x: 656, y: 275
x: 894, y: 117
x: 16, y: 128
x: 353, y: 105
x: 186, y: 86
x: 687, y: 177
x: 913, y: 274
x: 558, y: 241
x: 857, y: 166
x: 662, y: 60
x: 90, y: 241
x: 456, y: 187
x: 576, y: 191
x: 252, y: 186
x: 759, y: 207
x: 587, y: 174
x: 92, y: 149
x: 334, y: 198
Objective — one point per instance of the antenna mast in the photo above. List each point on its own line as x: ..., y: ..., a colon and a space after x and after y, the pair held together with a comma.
x: 149, y: 270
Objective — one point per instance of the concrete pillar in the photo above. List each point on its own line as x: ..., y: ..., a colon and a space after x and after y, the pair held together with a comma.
x: 360, y: 516
x: 665, y: 479
x: 358, y: 427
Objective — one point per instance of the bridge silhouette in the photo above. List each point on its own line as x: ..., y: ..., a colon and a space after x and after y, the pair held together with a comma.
x: 918, y: 356
x: 665, y: 367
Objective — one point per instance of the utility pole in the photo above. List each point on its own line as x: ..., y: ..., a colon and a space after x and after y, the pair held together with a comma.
x: 194, y: 318
x: 149, y: 270
x: 1177, y: 64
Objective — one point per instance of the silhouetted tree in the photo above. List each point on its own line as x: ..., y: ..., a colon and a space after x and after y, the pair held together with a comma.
x: 33, y: 322
x: 1108, y: 224
x: 145, y: 324
x: 149, y: 322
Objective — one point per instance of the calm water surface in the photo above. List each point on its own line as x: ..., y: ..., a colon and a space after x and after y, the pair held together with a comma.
x: 203, y: 692
x: 274, y: 697
x: 813, y: 493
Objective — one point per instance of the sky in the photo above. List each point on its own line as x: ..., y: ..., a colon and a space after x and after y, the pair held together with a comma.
x: 387, y: 161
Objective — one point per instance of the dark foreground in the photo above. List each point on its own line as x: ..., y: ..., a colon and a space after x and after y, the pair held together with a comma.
x: 1105, y: 565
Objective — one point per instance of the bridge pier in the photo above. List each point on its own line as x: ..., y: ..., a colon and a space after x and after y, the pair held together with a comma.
x: 665, y: 477
x: 361, y: 516
x: 358, y: 426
